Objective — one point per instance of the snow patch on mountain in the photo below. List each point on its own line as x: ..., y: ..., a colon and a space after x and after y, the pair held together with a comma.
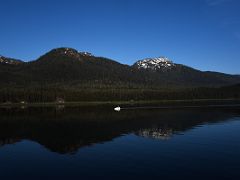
x: 71, y: 52
x: 155, y: 63
x: 85, y: 53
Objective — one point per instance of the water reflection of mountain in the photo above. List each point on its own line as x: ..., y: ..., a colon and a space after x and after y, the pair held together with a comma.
x: 155, y: 133
x: 68, y: 129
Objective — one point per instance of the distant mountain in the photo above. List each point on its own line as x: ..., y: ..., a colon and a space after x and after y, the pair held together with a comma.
x: 70, y: 67
x: 5, y: 60
x: 182, y: 75
x: 67, y: 67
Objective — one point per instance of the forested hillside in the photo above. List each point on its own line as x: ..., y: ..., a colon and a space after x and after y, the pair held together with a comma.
x: 79, y: 76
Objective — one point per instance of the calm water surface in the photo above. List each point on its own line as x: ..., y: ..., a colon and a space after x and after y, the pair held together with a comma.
x: 97, y: 143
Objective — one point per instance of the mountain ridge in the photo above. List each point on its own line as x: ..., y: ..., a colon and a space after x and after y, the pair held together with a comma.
x: 85, y: 53
x: 69, y: 67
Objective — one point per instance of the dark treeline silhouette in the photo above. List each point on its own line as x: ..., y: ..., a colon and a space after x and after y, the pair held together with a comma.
x: 53, y: 93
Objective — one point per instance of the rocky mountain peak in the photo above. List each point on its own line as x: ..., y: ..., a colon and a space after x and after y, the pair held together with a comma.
x: 155, y: 63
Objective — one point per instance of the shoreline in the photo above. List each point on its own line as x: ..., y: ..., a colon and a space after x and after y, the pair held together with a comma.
x: 171, y: 103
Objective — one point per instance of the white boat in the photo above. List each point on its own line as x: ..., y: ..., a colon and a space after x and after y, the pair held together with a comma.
x: 117, y: 108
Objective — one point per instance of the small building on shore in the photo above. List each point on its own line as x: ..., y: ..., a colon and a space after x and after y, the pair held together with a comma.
x: 60, y: 100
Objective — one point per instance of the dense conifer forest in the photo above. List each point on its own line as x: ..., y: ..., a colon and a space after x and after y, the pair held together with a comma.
x: 66, y: 75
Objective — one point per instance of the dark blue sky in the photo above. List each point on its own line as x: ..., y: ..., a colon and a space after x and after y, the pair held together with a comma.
x: 204, y: 34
